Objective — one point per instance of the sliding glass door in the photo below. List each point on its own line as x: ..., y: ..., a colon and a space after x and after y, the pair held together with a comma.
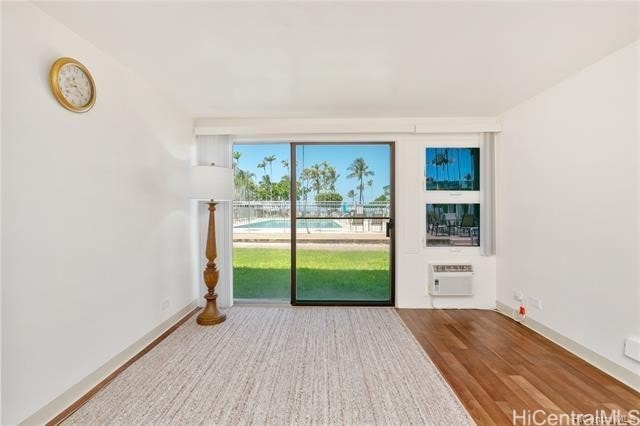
x: 342, y: 232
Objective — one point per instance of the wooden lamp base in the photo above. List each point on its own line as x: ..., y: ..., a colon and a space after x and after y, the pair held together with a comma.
x: 211, y: 315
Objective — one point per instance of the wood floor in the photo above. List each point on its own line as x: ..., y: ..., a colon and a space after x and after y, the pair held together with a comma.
x: 496, y: 365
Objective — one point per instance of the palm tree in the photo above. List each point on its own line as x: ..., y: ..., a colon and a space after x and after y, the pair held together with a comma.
x: 237, y: 184
x: 236, y: 169
x: 360, y: 189
x: 330, y: 176
x: 459, y: 172
x: 446, y: 163
x: 315, y: 176
x: 285, y: 164
x: 387, y: 190
x: 474, y: 170
x: 269, y: 160
x: 359, y: 170
x: 435, y: 163
x: 352, y: 194
x: 266, y: 187
x: 305, y: 177
x: 468, y: 178
x: 236, y: 158
x: 266, y: 181
x: 440, y: 160
x: 241, y: 182
x: 370, y: 185
x: 262, y: 165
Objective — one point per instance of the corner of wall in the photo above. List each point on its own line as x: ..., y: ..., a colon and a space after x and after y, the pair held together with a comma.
x: 551, y: 202
x: 626, y: 376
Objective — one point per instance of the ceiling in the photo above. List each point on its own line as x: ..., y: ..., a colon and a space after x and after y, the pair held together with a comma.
x: 351, y: 59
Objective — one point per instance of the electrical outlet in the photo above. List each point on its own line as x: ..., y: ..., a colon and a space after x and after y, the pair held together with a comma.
x: 165, y: 304
x: 518, y: 296
x: 534, y: 301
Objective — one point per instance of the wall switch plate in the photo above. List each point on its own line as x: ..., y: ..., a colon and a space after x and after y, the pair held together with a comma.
x: 534, y: 301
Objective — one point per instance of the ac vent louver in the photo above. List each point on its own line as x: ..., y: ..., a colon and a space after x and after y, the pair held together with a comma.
x: 453, y: 268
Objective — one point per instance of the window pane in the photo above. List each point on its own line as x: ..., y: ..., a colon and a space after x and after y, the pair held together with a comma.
x: 261, y: 223
x: 453, y: 169
x: 450, y: 225
x: 352, y: 266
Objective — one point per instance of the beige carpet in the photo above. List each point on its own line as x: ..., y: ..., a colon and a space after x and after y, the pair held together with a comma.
x: 282, y: 365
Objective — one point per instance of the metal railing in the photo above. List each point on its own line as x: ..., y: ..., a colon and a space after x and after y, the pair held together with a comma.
x: 338, y: 215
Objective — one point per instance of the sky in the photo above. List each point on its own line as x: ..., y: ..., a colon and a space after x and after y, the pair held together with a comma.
x: 340, y: 156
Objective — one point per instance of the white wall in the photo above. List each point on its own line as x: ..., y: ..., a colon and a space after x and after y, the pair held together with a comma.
x: 568, y: 206
x: 95, y: 224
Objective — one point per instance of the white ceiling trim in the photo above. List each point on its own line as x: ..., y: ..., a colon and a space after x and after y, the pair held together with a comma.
x: 282, y: 126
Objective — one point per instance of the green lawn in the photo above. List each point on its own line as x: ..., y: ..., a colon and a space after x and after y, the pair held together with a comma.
x: 322, y: 274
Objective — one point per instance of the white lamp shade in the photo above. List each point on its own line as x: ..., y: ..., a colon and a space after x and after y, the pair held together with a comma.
x: 211, y: 183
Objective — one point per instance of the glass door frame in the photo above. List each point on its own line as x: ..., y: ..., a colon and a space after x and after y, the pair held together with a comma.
x: 390, y: 228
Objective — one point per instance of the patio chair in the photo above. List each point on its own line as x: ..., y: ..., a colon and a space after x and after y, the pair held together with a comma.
x: 432, y: 224
x: 467, y: 224
x: 440, y: 229
x: 445, y: 225
x: 451, y: 222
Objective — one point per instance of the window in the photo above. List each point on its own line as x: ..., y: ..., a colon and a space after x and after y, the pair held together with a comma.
x: 456, y: 181
x: 453, y: 225
x: 452, y: 169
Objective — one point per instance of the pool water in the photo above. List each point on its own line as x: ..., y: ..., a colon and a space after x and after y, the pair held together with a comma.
x: 286, y: 223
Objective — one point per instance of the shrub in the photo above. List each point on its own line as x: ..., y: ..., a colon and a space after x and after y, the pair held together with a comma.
x: 329, y: 196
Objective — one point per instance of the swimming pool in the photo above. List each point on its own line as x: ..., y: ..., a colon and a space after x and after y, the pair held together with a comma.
x: 286, y: 223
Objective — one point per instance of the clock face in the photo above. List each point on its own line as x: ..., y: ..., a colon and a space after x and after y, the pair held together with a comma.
x: 75, y: 85
x: 72, y: 85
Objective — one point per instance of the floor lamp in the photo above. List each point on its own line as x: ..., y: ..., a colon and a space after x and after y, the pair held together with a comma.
x: 206, y: 184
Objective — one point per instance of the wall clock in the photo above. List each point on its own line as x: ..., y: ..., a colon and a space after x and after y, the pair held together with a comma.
x: 72, y: 85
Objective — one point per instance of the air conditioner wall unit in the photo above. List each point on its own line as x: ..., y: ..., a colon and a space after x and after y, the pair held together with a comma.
x: 450, y: 279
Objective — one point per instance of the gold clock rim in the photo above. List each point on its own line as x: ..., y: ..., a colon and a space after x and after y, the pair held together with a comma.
x: 57, y: 92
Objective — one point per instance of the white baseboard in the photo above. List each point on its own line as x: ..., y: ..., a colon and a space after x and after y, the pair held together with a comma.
x: 626, y: 376
x: 62, y: 402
